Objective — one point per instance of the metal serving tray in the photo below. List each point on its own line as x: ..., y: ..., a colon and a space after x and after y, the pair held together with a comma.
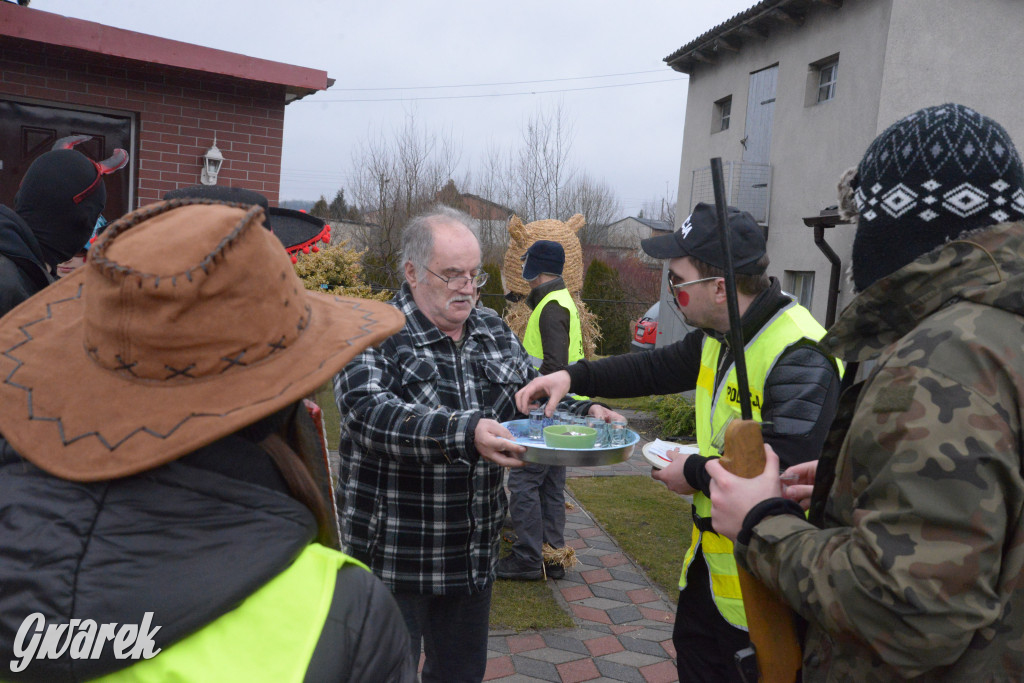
x: 537, y: 452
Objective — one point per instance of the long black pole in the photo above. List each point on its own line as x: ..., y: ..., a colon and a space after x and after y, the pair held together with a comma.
x: 735, y: 326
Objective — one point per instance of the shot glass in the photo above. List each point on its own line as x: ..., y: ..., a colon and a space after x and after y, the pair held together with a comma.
x: 537, y: 424
x: 562, y: 417
x: 619, y: 432
x: 599, y: 426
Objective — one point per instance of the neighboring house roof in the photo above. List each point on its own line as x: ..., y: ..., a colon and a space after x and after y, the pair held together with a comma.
x: 485, y: 209
x: 663, y: 226
x: 751, y: 24
x: 78, y: 34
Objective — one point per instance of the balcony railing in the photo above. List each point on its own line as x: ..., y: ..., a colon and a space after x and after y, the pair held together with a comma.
x: 749, y: 187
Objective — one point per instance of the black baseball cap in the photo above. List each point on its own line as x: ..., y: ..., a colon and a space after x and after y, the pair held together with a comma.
x: 698, y: 237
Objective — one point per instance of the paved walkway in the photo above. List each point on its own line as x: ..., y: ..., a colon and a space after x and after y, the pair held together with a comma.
x: 623, y: 623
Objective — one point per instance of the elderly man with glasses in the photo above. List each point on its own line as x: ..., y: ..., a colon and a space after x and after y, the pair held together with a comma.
x: 423, y: 449
x: 794, y: 388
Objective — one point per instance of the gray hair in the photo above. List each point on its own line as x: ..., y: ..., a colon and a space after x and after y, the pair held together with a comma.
x: 418, y: 234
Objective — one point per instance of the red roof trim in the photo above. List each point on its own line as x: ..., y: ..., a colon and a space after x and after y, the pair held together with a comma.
x: 55, y: 29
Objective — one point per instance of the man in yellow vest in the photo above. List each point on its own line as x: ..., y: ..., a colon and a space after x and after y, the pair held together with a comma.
x: 536, y: 492
x: 794, y: 388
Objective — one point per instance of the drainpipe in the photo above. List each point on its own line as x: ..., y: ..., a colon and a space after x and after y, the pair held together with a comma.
x: 828, y: 218
x: 833, y: 278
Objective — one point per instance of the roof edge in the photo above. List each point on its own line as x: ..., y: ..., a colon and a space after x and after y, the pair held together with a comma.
x: 55, y: 29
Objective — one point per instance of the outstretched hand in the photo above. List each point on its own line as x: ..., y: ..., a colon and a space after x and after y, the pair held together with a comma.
x: 555, y: 386
x: 496, y: 443
x: 732, y: 497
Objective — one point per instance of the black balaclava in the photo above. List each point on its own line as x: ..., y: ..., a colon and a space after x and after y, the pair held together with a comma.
x: 46, y: 202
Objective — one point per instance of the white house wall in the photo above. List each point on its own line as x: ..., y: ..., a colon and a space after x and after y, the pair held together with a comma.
x: 811, y: 145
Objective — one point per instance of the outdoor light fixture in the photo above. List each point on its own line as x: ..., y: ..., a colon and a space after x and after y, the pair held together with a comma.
x: 212, y: 162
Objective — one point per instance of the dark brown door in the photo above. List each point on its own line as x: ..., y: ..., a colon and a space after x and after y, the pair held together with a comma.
x: 28, y: 130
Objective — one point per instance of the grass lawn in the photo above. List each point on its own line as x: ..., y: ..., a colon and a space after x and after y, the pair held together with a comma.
x: 645, y: 404
x: 649, y: 522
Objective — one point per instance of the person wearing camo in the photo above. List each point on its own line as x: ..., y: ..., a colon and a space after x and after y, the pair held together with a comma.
x: 911, y: 560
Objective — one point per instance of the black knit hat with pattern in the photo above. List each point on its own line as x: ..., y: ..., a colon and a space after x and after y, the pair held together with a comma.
x: 927, y: 178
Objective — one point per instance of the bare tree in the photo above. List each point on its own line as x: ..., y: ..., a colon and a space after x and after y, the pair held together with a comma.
x: 396, y: 178
x: 661, y: 209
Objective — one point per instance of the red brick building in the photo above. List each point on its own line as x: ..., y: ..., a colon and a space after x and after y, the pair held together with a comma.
x: 163, y: 100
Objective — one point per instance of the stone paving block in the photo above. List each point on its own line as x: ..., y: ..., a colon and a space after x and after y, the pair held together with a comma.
x: 637, y: 659
x: 588, y: 561
x: 596, y: 575
x: 576, y: 543
x: 605, y: 645
x: 602, y: 543
x: 553, y: 655
x: 545, y: 671
x: 602, y: 590
x: 579, y: 592
x: 642, y: 596
x: 662, y: 672
x: 499, y: 668
x: 658, y: 614
x: 619, y: 672
x: 604, y: 603
x: 625, y: 628
x: 613, y: 560
x: 640, y: 645
x: 624, y: 614
x: 497, y: 643
x: 525, y: 642
x: 655, y: 636
x: 630, y: 576
x: 569, y: 643
x: 590, y: 614
x: 670, y: 648
x: 580, y: 670
x: 588, y: 632
x: 616, y: 584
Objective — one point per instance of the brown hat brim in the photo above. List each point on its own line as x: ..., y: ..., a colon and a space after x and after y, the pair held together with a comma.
x: 77, y: 420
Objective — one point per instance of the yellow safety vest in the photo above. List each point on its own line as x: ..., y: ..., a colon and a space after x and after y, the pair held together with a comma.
x: 532, y: 341
x: 713, y: 409
x: 269, y: 637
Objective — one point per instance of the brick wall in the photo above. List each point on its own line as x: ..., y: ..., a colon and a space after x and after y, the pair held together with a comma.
x: 176, y: 111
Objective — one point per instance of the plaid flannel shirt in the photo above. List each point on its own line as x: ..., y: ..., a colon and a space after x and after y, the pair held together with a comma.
x: 419, y: 506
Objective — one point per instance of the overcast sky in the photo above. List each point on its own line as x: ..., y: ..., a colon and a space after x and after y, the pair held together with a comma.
x: 628, y: 135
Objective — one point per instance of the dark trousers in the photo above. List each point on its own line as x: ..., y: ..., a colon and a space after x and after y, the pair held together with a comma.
x: 536, y: 504
x: 453, y: 631
x: 705, y: 642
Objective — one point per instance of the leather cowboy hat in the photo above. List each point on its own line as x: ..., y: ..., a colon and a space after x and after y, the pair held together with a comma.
x: 186, y: 324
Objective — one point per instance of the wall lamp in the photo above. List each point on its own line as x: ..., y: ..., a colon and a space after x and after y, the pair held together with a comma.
x: 212, y: 161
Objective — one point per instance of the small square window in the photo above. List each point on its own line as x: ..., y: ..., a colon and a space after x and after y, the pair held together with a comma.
x: 800, y: 283
x: 827, y: 74
x: 722, y: 114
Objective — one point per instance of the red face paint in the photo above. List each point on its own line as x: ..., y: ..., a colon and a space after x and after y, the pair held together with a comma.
x: 682, y: 297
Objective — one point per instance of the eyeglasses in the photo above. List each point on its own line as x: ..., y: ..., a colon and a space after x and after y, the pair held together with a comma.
x: 672, y: 277
x: 459, y: 281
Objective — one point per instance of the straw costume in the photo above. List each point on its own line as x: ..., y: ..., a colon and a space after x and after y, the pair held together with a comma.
x: 521, y: 236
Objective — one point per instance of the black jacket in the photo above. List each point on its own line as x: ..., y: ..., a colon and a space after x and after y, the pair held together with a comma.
x: 187, y: 541
x: 800, y: 394
x: 22, y: 271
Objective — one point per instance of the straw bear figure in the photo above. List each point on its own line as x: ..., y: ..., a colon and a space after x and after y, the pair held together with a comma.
x: 521, y: 236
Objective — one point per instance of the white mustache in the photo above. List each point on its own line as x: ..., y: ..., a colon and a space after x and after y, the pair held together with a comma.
x: 457, y: 299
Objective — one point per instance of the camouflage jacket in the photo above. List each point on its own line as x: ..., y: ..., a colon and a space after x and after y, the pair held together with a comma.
x: 913, y: 561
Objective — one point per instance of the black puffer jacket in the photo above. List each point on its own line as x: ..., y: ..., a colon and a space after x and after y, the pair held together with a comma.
x: 22, y: 272
x: 187, y: 541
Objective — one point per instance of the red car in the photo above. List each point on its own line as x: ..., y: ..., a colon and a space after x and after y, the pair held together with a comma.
x: 645, y: 330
